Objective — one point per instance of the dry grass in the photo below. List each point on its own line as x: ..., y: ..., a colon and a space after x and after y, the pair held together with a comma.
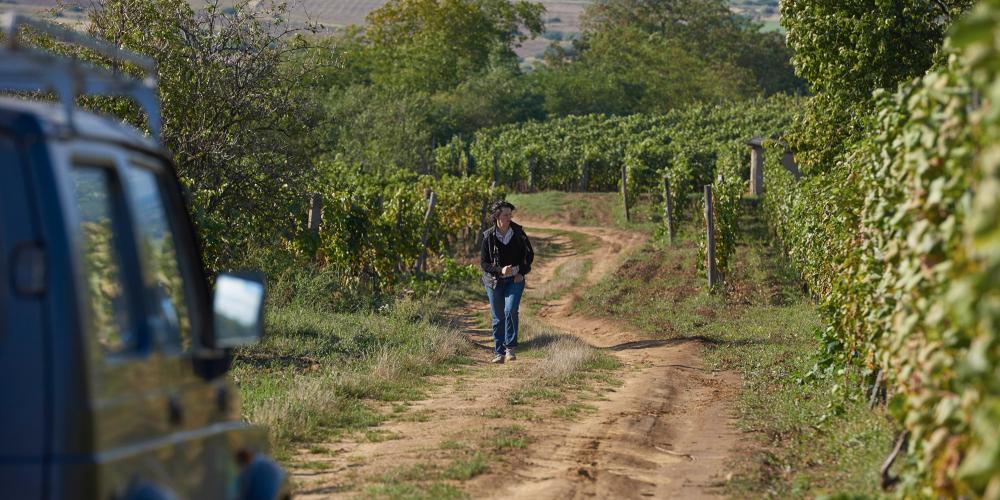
x: 343, y: 368
x: 565, y: 364
x: 567, y: 275
x: 565, y: 355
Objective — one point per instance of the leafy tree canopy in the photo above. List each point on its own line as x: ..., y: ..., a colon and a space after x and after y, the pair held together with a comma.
x: 434, y: 45
x: 850, y: 48
x: 234, y: 116
x: 626, y: 70
x: 707, y: 29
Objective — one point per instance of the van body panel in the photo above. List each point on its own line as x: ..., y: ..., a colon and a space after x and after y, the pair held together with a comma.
x: 23, y: 365
x: 82, y: 414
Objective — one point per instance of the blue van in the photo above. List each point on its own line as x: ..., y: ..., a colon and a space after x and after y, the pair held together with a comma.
x: 113, y: 350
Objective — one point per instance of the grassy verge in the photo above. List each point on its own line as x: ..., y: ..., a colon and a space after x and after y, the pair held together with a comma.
x: 320, y: 374
x: 810, y: 435
x: 588, y: 209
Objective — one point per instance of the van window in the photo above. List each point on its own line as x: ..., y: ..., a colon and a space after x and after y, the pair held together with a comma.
x: 102, y: 264
x: 169, y: 303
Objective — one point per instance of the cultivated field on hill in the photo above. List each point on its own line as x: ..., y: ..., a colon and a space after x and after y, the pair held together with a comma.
x: 562, y: 17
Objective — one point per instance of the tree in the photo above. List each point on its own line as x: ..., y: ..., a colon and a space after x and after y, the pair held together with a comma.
x: 706, y: 29
x: 626, y: 70
x: 499, y: 96
x: 379, y: 130
x: 850, y: 48
x: 434, y: 45
x: 705, y: 25
x: 233, y: 115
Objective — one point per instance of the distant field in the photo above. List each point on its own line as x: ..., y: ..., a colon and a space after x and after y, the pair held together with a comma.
x: 562, y: 17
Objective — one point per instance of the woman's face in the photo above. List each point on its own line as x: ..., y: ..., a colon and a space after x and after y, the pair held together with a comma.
x: 503, y: 220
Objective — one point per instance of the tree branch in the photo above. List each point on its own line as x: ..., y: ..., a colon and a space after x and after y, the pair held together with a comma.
x: 944, y: 8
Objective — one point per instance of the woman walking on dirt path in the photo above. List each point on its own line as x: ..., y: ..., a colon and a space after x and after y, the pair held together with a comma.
x: 505, y: 257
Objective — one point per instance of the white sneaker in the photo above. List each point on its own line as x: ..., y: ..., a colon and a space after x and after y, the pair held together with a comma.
x: 510, y: 355
x: 497, y: 359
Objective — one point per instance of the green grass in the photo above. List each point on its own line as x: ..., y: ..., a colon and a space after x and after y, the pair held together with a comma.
x: 315, y: 375
x: 453, y: 445
x: 511, y: 437
x: 573, y: 410
x: 587, y: 209
x: 811, y: 435
x: 567, y: 368
x: 417, y: 491
x: 546, y: 245
x: 466, y: 468
x: 658, y: 290
x: 316, y: 466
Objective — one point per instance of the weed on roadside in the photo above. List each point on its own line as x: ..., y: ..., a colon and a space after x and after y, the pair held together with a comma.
x: 510, y: 437
x: 453, y: 445
x: 465, y: 468
x: 573, y: 410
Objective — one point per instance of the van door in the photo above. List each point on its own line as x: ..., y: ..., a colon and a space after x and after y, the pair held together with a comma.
x: 177, y: 309
x: 130, y: 404
x: 23, y: 366
x: 154, y: 419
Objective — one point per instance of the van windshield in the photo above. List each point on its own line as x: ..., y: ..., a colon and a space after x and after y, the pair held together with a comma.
x: 102, y: 264
x: 161, y: 267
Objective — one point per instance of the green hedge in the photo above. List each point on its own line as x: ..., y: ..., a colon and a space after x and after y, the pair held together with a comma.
x: 901, y: 243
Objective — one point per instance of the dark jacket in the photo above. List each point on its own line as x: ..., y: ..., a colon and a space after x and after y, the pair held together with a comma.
x: 518, y: 251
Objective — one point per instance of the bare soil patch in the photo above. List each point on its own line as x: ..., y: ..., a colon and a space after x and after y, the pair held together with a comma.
x: 666, y: 431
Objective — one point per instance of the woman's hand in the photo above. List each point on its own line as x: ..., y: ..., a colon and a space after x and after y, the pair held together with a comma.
x: 507, y: 271
x: 518, y: 278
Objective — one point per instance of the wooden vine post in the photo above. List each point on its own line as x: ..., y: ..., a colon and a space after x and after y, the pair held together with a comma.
x: 427, y: 232
x: 788, y: 161
x: 628, y: 217
x: 756, y: 166
x: 713, y: 276
x: 315, y: 213
x: 496, y: 170
x: 470, y: 162
x: 531, y: 174
x: 668, y: 209
x: 483, y: 223
x: 584, y: 174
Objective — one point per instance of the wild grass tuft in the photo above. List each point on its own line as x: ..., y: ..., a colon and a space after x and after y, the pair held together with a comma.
x: 566, y: 277
x: 564, y: 363
x: 466, y: 468
x: 417, y: 491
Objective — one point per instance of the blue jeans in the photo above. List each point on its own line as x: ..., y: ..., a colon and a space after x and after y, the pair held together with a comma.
x: 504, y: 301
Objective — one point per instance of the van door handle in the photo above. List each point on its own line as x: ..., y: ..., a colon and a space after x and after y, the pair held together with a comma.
x: 175, y: 410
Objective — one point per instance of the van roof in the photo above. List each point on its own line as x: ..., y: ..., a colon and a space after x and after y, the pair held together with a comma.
x: 53, y: 119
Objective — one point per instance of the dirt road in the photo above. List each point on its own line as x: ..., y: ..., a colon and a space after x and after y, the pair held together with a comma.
x: 666, y: 432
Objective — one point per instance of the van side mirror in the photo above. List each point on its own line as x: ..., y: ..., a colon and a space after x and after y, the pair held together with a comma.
x: 238, y: 309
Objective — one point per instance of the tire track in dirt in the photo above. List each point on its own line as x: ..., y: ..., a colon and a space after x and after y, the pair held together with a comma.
x: 668, y: 432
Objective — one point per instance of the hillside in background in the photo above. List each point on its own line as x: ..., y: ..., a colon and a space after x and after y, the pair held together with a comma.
x: 562, y: 17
